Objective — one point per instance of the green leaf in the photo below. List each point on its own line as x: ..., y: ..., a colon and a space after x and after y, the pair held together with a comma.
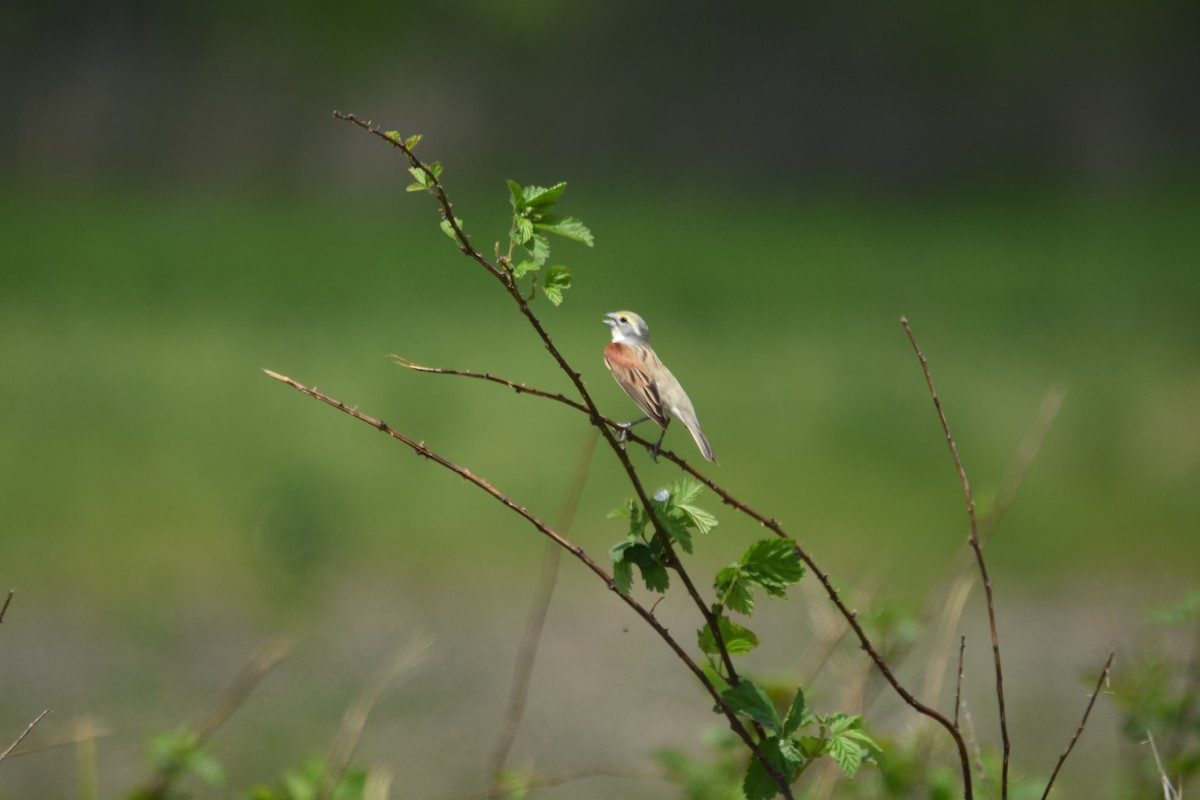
x: 655, y: 577
x: 516, y: 198
x: 623, y: 577
x: 738, y: 639
x: 539, y: 197
x: 733, y: 591
x: 394, y: 136
x: 526, y: 266
x: 449, y: 230
x: 701, y: 519
x: 412, y: 141
x: 798, y: 715
x: 759, y: 784
x: 685, y: 490
x: 421, y: 176
x: 674, y: 523
x: 558, y: 280
x: 749, y: 700
x: 569, y: 227
x: 539, y: 247
x: 847, y: 753
x: 522, y: 231
x: 436, y: 168
x: 773, y: 564
x: 415, y: 187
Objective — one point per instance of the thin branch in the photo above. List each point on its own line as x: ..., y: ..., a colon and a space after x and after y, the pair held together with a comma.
x: 977, y: 546
x: 7, y: 600
x: 962, y: 647
x: 523, y: 671
x: 422, y: 450
x: 1103, y: 679
x: 25, y: 732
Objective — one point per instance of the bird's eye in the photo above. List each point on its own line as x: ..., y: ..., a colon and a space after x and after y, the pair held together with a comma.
x: 624, y: 319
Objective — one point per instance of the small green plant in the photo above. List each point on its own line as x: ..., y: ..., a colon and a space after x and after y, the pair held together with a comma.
x: 174, y: 757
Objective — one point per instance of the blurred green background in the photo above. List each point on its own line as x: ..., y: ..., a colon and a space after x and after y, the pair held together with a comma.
x: 772, y: 188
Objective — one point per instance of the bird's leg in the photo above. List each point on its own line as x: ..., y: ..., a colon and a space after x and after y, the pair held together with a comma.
x: 657, y: 445
x: 624, y: 428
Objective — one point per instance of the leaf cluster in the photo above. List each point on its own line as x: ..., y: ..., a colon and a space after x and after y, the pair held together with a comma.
x: 533, y: 218
x: 675, y: 509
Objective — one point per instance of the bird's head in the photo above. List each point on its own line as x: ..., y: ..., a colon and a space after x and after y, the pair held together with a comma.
x: 627, y: 327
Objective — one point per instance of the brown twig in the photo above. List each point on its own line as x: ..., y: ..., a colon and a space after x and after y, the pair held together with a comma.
x: 422, y: 450
x: 1078, y: 731
x: 7, y: 600
x: 538, y: 608
x: 24, y: 733
x: 977, y: 546
x: 508, y: 280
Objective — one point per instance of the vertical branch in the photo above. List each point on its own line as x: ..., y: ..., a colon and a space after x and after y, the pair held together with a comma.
x: 1086, y: 712
x: 977, y: 546
x: 962, y: 646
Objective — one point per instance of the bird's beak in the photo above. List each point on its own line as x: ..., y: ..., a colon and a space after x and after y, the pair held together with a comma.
x: 611, y: 320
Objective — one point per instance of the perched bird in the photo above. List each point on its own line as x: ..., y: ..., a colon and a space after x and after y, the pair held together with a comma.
x: 644, y: 378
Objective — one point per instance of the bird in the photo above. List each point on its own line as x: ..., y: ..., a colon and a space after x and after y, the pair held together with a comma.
x: 637, y: 369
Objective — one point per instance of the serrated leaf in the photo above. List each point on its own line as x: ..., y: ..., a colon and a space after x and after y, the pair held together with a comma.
x: 623, y: 577
x: 685, y: 490
x: 522, y: 231
x: 701, y: 519
x: 569, y: 227
x: 539, y: 197
x: 436, y: 168
x: 673, y: 523
x: 733, y: 591
x: 750, y: 700
x: 394, y: 136
x: 738, y: 640
x: 773, y: 564
x: 798, y: 715
x: 525, y: 267
x: 539, y: 247
x: 759, y: 784
x: 415, y: 187
x: 655, y: 577
x: 413, y: 141
x: 847, y: 753
x: 557, y: 280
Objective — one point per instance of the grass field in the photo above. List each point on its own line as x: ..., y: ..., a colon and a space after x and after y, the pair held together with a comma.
x: 166, y: 505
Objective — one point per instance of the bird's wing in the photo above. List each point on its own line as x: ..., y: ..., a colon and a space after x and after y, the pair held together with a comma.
x: 630, y: 372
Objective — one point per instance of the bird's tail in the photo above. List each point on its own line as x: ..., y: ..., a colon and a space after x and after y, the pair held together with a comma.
x: 705, y: 448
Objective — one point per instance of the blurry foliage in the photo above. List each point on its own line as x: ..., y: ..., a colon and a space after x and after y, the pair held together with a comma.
x: 1160, y: 694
